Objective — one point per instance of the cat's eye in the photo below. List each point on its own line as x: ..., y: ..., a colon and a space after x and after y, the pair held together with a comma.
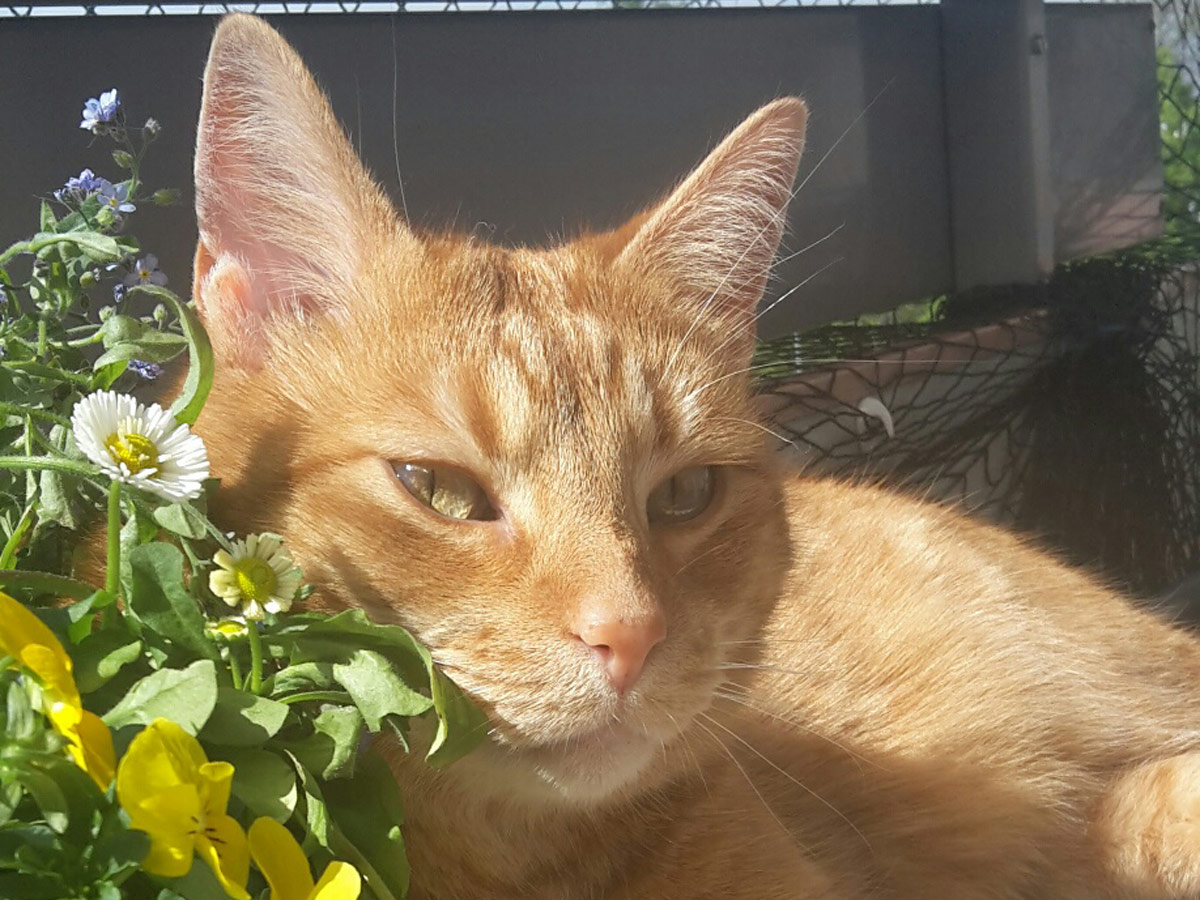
x: 445, y: 490
x: 681, y: 497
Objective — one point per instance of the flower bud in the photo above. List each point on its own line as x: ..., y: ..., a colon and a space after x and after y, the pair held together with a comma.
x: 123, y: 159
x: 160, y: 314
x: 165, y: 197
x: 152, y: 128
x: 106, y: 313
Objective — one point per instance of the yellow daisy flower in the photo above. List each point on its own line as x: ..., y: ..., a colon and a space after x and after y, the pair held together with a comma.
x: 285, y: 867
x: 25, y: 638
x: 258, y: 577
x: 173, y: 793
x: 140, y: 445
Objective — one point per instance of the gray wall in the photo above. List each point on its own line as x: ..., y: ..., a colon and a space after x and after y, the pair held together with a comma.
x: 535, y: 124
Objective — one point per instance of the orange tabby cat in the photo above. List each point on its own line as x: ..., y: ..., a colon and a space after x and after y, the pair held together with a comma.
x: 707, y: 677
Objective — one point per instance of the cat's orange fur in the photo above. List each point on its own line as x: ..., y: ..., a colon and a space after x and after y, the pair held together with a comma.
x: 859, y: 695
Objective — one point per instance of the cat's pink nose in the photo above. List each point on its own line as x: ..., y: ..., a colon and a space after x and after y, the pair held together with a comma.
x: 622, y: 645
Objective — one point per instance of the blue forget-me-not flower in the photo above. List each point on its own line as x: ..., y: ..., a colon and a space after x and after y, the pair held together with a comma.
x: 98, y: 112
x: 146, y: 271
x: 115, y: 197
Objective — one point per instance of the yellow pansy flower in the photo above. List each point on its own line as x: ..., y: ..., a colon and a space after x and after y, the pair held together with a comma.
x: 285, y: 867
x: 173, y: 793
x: 25, y: 638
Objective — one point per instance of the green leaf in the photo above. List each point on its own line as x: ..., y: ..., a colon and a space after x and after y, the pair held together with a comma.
x: 102, y: 655
x: 316, y: 815
x: 97, y: 247
x: 306, y: 676
x: 59, y: 494
x: 319, y: 639
x: 190, y: 401
x: 119, y: 329
x: 20, y: 722
x: 44, y: 582
x: 186, y: 696
x: 241, y: 719
x: 462, y: 726
x: 47, y: 794
x: 103, y: 378
x: 182, y: 519
x: 48, y: 221
x: 264, y: 781
x: 82, y: 614
x: 377, y: 689
x: 198, y: 884
x: 332, y: 749
x: 161, y: 604
x: 368, y: 813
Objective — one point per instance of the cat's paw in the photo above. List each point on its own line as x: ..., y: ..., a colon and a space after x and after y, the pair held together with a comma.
x: 1148, y: 826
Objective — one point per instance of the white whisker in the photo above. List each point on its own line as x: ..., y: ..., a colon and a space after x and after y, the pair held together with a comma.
x: 790, y: 778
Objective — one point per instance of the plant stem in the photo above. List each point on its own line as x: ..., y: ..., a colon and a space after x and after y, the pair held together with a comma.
x: 44, y: 462
x: 112, y: 571
x: 12, y: 409
x: 256, y: 658
x: 41, y: 370
x: 41, y: 350
x: 235, y: 670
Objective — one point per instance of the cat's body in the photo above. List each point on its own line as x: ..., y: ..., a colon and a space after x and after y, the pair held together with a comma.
x: 750, y: 685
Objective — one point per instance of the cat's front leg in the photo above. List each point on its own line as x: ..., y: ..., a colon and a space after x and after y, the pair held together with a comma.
x: 1147, y: 828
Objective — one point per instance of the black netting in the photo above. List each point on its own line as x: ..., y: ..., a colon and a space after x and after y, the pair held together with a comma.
x: 193, y: 7
x: 1070, y: 410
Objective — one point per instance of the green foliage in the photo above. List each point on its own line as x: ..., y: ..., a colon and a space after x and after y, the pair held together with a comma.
x: 297, y: 703
x: 1179, y: 117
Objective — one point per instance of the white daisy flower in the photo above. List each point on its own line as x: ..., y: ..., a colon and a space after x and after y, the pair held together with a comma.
x: 140, y: 445
x: 259, y: 576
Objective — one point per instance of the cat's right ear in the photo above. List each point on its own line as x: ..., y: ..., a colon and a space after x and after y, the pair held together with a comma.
x: 718, y: 231
x: 284, y: 207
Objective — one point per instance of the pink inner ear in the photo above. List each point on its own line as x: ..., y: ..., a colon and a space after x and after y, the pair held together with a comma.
x: 225, y: 296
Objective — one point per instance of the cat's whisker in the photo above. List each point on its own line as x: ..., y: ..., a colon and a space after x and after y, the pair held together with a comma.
x: 720, y: 545
x: 750, y: 781
x: 728, y: 666
x: 788, y: 775
x: 760, y: 427
x: 395, y: 119
x: 737, y: 335
x: 724, y: 692
x: 684, y: 743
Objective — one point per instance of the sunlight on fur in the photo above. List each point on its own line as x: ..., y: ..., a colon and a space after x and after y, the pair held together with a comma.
x: 787, y: 687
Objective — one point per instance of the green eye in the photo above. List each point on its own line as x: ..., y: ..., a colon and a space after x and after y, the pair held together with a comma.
x: 683, y: 496
x: 445, y: 490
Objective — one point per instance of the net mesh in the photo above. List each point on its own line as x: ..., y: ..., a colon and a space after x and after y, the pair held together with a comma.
x: 1070, y: 410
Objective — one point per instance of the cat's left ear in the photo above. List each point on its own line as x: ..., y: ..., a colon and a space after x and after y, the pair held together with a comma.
x: 718, y: 232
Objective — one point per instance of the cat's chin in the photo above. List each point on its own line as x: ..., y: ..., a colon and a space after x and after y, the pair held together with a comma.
x: 592, y: 768
x: 586, y: 770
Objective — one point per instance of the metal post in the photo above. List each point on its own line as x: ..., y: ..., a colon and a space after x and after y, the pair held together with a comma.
x: 998, y: 140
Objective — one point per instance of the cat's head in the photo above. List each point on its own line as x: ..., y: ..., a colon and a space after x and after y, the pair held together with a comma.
x: 545, y: 463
